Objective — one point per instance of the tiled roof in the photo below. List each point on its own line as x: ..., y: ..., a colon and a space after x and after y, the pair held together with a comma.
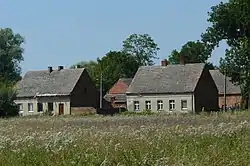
x: 45, y: 83
x: 219, y: 80
x: 166, y: 79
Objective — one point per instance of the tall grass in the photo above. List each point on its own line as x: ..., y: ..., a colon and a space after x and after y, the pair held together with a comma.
x: 218, y: 139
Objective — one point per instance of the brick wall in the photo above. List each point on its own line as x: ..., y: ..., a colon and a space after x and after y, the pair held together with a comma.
x: 118, y: 105
x: 82, y: 110
x: 230, y: 99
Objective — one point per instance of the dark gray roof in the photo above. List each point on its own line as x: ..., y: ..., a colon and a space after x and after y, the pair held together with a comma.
x: 166, y: 79
x: 118, y: 97
x: 127, y: 81
x: 219, y: 81
x: 35, y: 83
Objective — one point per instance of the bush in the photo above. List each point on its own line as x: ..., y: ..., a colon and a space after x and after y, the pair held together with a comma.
x: 132, y: 113
x: 7, y: 96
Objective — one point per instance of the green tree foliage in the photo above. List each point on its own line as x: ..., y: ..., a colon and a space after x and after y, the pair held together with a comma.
x: 10, y: 58
x: 112, y: 66
x: 10, y: 55
x: 194, y: 51
x: 230, y: 21
x: 91, y: 67
x: 116, y: 65
x: 143, y: 47
x: 7, y: 96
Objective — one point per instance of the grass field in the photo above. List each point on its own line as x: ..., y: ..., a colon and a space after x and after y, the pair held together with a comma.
x: 219, y: 139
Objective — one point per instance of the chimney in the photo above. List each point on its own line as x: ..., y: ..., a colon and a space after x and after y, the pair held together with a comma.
x: 164, y: 62
x: 183, y: 59
x: 50, y: 69
x: 60, y: 68
x: 78, y: 66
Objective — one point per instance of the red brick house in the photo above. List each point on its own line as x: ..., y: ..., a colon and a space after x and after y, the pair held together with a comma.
x: 233, y: 92
x: 117, y: 94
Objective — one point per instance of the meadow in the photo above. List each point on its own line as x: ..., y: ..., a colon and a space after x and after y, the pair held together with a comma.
x: 216, y: 139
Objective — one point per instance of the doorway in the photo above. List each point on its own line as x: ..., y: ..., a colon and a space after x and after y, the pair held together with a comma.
x: 61, y: 109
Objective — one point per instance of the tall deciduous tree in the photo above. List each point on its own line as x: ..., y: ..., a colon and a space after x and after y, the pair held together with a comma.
x: 112, y: 66
x: 116, y: 65
x: 194, y: 51
x: 10, y: 55
x: 10, y: 58
x: 143, y: 47
x: 92, y: 68
x: 230, y: 22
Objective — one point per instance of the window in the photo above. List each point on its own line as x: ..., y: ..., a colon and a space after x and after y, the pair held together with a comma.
x: 148, y: 105
x: 136, y: 106
x: 39, y: 107
x: 50, y: 107
x: 183, y: 104
x: 171, y: 105
x: 30, y: 107
x: 159, y: 105
x: 20, y: 106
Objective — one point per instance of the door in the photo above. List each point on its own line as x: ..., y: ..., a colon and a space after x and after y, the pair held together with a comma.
x: 61, y: 109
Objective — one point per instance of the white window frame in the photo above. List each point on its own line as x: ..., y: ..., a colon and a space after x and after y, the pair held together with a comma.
x: 159, y: 105
x: 148, y: 105
x: 184, y: 108
x: 171, y: 105
x: 20, y: 106
x: 136, y: 106
x: 30, y: 107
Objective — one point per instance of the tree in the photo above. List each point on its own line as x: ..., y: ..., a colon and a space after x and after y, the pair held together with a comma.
x: 91, y: 67
x: 143, y: 47
x: 112, y: 66
x: 230, y: 22
x: 10, y: 58
x: 7, y: 96
x: 194, y: 51
x: 115, y: 65
x: 10, y: 55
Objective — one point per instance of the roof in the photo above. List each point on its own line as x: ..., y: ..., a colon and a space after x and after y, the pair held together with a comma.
x: 166, y: 79
x: 219, y: 80
x: 119, y: 97
x: 43, y: 83
x: 126, y: 81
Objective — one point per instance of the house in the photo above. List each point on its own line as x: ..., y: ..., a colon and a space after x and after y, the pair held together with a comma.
x: 117, y: 94
x: 61, y: 92
x: 181, y: 87
x: 233, y: 92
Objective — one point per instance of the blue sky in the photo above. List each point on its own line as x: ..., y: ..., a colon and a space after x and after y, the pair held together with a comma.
x: 62, y: 32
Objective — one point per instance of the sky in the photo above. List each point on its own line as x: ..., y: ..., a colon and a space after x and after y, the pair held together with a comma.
x: 63, y: 32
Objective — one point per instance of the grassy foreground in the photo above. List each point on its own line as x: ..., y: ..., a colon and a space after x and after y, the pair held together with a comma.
x: 137, y: 140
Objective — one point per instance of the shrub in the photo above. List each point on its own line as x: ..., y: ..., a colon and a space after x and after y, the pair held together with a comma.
x: 134, y: 113
x: 7, y: 106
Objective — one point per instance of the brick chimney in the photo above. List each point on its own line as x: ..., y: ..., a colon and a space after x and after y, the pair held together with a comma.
x: 164, y: 62
x: 183, y: 59
x: 60, y: 68
x: 50, y: 69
